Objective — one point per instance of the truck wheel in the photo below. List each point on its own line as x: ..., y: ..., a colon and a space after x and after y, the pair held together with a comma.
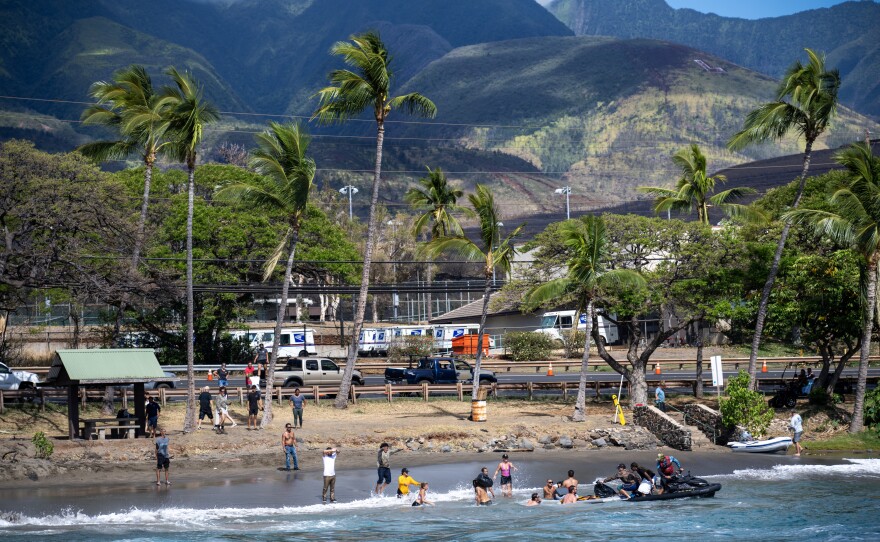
x: 290, y: 383
x: 28, y: 393
x: 486, y: 382
x: 791, y: 401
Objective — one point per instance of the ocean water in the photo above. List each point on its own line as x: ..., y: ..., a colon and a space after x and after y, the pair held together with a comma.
x: 785, y: 501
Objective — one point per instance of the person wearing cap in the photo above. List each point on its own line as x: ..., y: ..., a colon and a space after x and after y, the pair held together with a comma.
x: 383, y: 467
x: 630, y: 480
x: 666, y: 469
x: 403, y: 483
x: 255, y: 404
x: 205, y: 410
x: 506, y: 468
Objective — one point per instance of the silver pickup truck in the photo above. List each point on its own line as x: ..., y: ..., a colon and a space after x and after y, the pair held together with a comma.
x: 312, y: 372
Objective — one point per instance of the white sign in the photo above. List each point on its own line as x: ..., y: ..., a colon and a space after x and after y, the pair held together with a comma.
x: 717, y: 372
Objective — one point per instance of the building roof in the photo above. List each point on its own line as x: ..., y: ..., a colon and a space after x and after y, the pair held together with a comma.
x: 105, y: 366
x: 474, y: 310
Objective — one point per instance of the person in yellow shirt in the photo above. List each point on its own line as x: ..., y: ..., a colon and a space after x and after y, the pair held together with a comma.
x: 403, y: 483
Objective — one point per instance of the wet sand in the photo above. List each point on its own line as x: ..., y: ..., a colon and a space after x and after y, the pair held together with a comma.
x: 259, y: 482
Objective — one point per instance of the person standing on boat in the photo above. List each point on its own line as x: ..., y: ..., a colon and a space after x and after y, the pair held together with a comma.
x: 660, y: 396
x: 797, y: 425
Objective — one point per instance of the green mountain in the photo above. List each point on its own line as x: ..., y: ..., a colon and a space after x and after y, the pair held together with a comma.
x: 848, y: 33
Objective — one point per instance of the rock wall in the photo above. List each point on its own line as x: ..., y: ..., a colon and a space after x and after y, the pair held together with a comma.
x: 670, y: 432
x: 708, y: 420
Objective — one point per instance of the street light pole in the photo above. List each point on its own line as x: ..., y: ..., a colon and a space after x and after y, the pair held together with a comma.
x: 395, y: 298
x: 500, y: 225
x: 567, y: 191
x: 350, y: 190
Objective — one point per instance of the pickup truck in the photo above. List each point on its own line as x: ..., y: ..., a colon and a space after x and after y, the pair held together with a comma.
x: 312, y: 372
x: 437, y: 370
x: 17, y: 380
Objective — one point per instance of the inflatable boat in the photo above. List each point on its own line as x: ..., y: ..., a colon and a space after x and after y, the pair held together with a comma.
x: 769, y: 446
x: 681, y: 487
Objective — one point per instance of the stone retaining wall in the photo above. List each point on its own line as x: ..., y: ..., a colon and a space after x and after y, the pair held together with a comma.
x: 670, y: 432
x: 707, y: 419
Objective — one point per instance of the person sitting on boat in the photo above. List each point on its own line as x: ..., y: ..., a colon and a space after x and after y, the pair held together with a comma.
x: 630, y: 480
x: 667, y: 467
x: 647, y: 475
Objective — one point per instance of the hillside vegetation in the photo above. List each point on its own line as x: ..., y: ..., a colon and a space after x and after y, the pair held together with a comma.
x: 847, y: 32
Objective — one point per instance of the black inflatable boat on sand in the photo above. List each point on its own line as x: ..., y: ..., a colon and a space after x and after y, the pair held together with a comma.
x: 680, y: 487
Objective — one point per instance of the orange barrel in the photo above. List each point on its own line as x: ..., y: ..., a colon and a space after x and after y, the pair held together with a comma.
x: 478, y: 411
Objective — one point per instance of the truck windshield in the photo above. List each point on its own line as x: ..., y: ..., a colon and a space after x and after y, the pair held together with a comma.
x: 548, y: 321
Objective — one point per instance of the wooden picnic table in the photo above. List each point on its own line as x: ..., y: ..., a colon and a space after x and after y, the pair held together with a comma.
x: 100, y: 425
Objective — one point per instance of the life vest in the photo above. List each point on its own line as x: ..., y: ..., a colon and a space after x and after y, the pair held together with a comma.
x: 666, y: 466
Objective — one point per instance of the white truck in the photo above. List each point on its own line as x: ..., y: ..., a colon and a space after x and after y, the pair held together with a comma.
x: 374, y: 341
x: 295, y: 341
x: 554, y: 323
x: 17, y: 380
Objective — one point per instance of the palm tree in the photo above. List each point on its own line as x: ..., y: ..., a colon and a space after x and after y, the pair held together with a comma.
x: 585, y: 240
x: 437, y: 200
x: 855, y: 222
x: 694, y: 188
x: 806, y: 101
x: 494, y: 252
x: 366, y: 85
x: 285, y: 180
x: 190, y: 112
x: 129, y: 106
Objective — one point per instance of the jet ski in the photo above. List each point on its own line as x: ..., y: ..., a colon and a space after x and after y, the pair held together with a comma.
x: 679, y: 487
x: 778, y: 444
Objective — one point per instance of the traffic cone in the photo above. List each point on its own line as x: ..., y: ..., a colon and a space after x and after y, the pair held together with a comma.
x: 657, y: 369
x: 764, y: 366
x: 210, y: 376
x: 550, y: 369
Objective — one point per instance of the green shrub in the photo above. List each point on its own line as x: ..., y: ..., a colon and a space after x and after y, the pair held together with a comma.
x: 44, y: 445
x: 528, y: 345
x: 820, y: 397
x: 405, y: 347
x: 744, y: 407
x: 573, y: 343
x: 872, y: 408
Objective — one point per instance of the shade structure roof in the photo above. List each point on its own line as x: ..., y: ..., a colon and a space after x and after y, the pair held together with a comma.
x: 105, y: 366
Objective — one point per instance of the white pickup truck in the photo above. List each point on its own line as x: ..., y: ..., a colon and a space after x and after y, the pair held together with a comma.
x: 17, y: 380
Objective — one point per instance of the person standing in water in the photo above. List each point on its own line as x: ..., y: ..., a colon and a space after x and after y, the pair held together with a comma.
x: 506, y: 468
x: 422, y: 500
x: 383, y: 468
x: 572, y: 497
x: 403, y: 483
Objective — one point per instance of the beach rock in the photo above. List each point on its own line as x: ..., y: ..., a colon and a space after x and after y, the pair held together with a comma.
x: 429, y: 445
x: 545, y: 439
x: 476, y: 445
x: 549, y: 446
x: 446, y: 448
x: 599, y: 442
x: 565, y: 442
x: 492, y: 443
x: 596, y: 435
x: 526, y: 444
x: 421, y: 440
x: 412, y: 445
x: 579, y: 443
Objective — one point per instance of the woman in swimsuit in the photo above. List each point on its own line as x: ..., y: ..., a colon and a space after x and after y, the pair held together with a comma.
x: 506, y: 468
x: 421, y: 500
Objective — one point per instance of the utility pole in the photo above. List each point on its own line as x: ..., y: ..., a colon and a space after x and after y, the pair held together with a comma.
x: 350, y: 190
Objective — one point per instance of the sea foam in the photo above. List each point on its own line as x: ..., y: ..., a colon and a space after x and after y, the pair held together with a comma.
x: 864, y: 468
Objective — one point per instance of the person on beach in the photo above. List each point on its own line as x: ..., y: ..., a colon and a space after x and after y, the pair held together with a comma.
x: 403, y: 483
x: 221, y: 403
x: 205, y: 409
x: 666, y: 468
x: 571, y: 497
x: 329, y: 457
x: 506, y: 468
x: 297, y: 403
x: 383, y: 468
x: 288, y: 444
x: 153, y: 409
x: 255, y: 405
x: 222, y: 376
x: 534, y: 501
x: 163, y: 459
x: 248, y: 373
x: 630, y: 480
x: 550, y: 490
x: 422, y: 500
x: 796, y: 424
x: 660, y: 396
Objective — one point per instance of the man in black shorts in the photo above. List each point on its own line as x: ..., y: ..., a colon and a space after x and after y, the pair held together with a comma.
x: 153, y: 409
x: 163, y: 459
x: 384, y: 468
x: 254, y: 404
x: 205, y: 409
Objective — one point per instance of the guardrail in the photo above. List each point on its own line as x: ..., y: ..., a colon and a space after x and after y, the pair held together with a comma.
x: 595, y: 363
x: 425, y: 390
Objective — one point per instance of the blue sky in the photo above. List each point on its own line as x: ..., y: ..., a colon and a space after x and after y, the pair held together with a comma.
x: 752, y: 9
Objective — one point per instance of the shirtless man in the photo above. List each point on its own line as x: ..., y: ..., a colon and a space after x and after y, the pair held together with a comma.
x: 572, y: 497
x: 550, y: 490
x: 571, y: 481
x: 506, y: 468
x: 288, y: 444
x: 534, y: 501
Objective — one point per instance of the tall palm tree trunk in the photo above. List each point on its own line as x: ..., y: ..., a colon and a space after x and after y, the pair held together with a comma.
x: 428, y: 296
x: 698, y: 383
x: 190, y: 420
x: 345, y: 389
x: 858, y: 418
x: 279, y: 320
x: 774, y: 270
x: 142, y: 222
x: 479, y: 359
x: 580, y: 406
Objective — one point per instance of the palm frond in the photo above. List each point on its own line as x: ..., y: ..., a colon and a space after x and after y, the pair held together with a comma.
x: 414, y: 103
x: 548, y: 291
x: 460, y: 245
x: 273, y: 260
x: 731, y: 194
